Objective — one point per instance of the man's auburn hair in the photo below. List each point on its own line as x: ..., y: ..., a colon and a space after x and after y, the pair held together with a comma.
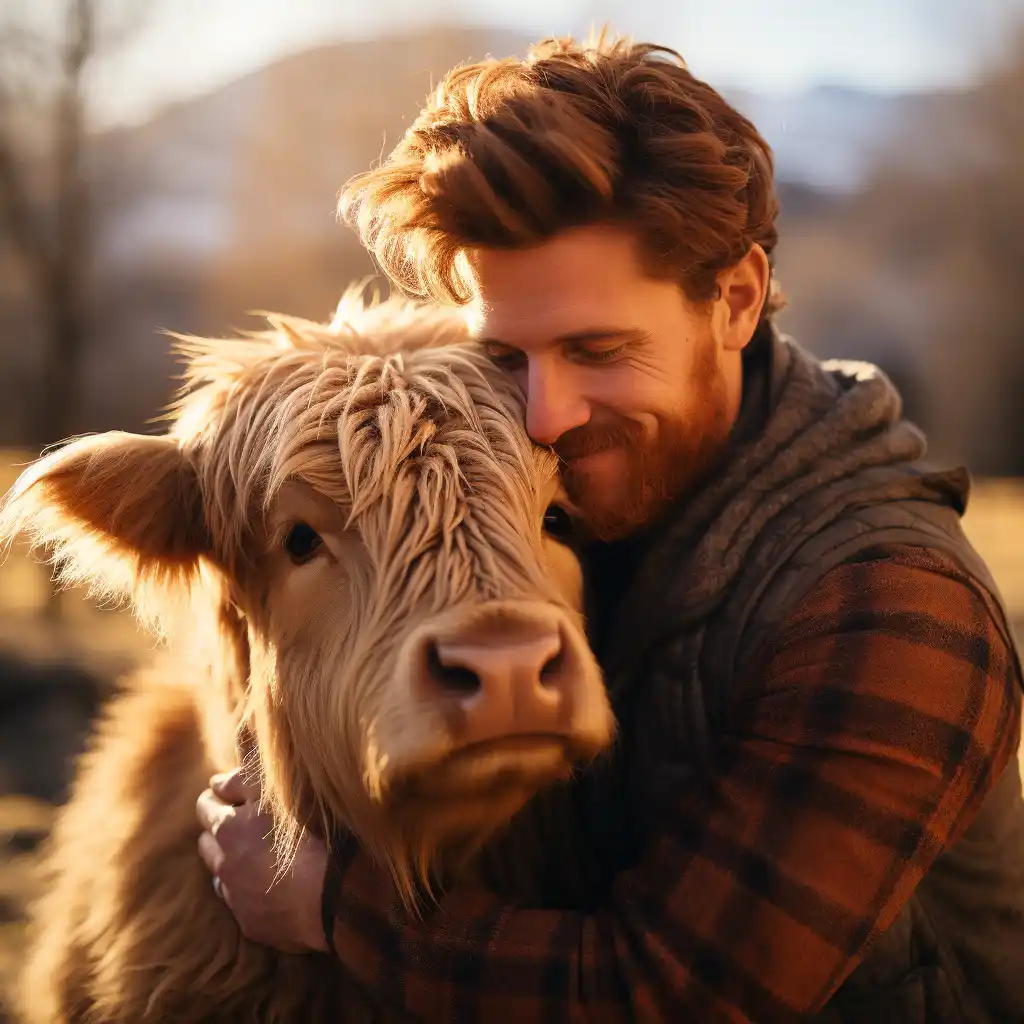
x: 509, y: 153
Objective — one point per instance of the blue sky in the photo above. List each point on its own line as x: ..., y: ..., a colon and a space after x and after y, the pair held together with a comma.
x: 190, y: 46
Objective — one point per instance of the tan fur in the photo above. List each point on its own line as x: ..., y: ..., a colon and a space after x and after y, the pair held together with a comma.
x: 403, y: 448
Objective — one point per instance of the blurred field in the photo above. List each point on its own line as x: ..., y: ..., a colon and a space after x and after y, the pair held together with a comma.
x: 107, y: 643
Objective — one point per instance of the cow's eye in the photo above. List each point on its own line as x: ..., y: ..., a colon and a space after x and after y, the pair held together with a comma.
x: 557, y: 523
x: 302, y: 543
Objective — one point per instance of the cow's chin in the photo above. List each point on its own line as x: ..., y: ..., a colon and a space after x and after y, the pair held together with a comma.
x: 475, y: 790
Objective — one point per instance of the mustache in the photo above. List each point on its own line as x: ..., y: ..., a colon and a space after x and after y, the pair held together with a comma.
x: 587, y: 440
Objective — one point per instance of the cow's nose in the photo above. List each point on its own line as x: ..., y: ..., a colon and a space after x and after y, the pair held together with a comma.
x: 496, y: 686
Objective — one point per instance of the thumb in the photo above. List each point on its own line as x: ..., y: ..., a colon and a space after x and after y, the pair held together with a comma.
x: 232, y: 787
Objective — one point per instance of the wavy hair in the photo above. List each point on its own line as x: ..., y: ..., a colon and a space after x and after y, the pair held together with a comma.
x: 509, y: 153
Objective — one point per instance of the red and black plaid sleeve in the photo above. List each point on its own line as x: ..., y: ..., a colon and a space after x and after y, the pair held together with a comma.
x: 883, y: 713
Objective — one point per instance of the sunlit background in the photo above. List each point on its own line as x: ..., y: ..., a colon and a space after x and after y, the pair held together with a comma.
x: 175, y: 164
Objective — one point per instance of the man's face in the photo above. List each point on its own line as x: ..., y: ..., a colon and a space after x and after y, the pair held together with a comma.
x: 623, y: 375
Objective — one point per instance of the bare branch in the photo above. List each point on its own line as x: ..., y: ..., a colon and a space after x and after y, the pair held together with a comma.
x: 46, y: 202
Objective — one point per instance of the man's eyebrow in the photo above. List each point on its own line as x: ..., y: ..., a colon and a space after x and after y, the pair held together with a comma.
x: 583, y: 335
x: 602, y: 334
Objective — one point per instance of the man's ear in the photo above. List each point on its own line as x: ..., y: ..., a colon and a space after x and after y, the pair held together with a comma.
x: 120, y: 512
x: 743, y: 289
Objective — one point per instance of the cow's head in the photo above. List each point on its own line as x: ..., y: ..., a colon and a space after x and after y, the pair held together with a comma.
x: 364, y: 502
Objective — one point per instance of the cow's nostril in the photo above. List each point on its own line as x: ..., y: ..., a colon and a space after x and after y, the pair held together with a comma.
x: 454, y: 679
x: 552, y: 667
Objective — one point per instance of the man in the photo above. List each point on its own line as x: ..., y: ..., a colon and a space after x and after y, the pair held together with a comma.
x: 815, y: 808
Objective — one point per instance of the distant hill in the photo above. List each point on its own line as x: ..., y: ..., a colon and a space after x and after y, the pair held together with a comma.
x: 295, y: 130
x: 830, y: 137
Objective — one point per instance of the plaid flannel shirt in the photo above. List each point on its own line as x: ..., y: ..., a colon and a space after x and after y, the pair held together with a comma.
x: 862, y: 746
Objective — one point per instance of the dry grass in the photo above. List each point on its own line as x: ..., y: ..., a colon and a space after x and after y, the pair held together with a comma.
x: 108, y: 641
x: 995, y: 524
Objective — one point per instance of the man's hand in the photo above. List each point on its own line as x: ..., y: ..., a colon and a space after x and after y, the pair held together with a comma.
x: 236, y: 847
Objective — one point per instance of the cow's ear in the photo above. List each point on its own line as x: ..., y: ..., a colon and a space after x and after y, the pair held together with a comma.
x: 119, y: 512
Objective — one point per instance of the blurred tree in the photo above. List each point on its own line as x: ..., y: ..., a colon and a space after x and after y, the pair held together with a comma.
x: 44, y: 195
x: 50, y: 236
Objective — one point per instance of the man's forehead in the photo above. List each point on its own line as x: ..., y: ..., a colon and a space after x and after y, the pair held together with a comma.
x: 548, y: 320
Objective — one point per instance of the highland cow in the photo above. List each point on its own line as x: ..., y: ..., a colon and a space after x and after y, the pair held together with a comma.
x: 342, y: 537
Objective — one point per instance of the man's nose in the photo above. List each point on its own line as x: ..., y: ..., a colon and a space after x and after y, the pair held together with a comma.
x: 553, y: 405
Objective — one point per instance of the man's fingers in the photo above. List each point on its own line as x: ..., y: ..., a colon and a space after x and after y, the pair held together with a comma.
x: 212, y: 812
x: 232, y: 787
x: 210, y: 851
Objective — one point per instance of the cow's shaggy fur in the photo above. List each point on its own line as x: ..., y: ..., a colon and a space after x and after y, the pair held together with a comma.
x: 404, y: 447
